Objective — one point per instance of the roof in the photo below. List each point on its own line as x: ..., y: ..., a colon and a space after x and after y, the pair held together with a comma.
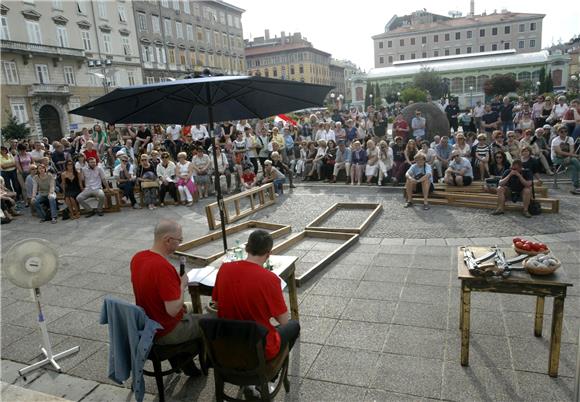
x: 455, y: 23
x: 269, y: 49
x: 473, y: 61
x: 228, y: 5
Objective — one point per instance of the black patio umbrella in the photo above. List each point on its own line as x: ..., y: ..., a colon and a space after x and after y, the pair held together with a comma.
x: 205, y: 99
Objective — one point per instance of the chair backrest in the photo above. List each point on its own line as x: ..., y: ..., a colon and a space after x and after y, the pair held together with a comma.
x: 234, y: 346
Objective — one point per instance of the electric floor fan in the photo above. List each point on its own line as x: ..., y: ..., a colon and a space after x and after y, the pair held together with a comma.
x: 30, y: 264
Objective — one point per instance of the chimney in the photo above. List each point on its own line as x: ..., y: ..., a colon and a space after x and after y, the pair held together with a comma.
x: 472, y: 7
x: 267, y: 34
x: 283, y: 37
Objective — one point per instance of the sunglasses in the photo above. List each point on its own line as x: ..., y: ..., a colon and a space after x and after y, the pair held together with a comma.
x: 165, y: 157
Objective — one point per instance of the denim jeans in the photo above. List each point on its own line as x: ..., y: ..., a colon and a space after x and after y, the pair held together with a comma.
x: 41, y: 200
x: 507, y: 126
x: 573, y: 165
x: 278, y: 185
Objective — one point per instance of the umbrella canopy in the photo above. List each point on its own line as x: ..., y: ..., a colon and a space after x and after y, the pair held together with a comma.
x: 205, y: 100
x: 187, y: 101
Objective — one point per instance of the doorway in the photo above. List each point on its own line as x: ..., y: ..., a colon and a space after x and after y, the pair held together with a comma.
x: 50, y: 123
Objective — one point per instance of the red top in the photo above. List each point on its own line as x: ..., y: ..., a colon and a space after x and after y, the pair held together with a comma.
x: 246, y: 291
x: 156, y: 281
x: 91, y: 154
x: 248, y: 177
x: 399, y: 127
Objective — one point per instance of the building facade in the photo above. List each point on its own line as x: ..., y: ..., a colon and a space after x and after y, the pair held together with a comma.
x: 423, y: 35
x: 58, y: 55
x: 287, y: 57
x: 465, y: 75
x: 337, y: 81
x: 182, y: 36
x: 351, y: 71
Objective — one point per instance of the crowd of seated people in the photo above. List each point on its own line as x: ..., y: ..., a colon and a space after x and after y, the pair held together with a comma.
x: 177, y: 162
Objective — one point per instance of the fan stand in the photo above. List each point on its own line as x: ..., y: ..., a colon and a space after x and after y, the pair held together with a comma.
x: 45, y: 347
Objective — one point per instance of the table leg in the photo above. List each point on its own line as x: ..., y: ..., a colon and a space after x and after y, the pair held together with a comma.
x: 539, y: 321
x: 195, y: 299
x: 461, y: 308
x: 292, y: 293
x: 556, y: 336
x: 465, y: 323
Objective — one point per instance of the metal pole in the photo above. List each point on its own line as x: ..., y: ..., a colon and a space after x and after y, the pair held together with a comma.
x: 218, y: 187
x: 577, y: 383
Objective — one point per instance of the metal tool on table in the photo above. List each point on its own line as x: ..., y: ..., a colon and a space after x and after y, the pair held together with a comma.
x: 501, y: 267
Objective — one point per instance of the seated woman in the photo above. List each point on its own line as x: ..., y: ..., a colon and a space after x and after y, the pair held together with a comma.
x: 301, y: 162
x: 409, y: 154
x: 185, y: 184
x: 43, y: 192
x: 71, y: 187
x: 398, y: 160
x: 166, y: 174
x: 481, y: 156
x: 385, y: 162
x: 462, y: 146
x: 201, y: 165
x: 223, y: 167
x: 540, y: 150
x: 125, y: 175
x: 318, y: 160
x: 512, y: 146
x: 419, y: 179
x: 498, y: 165
x: 281, y: 166
x: 147, y: 178
x: 358, y: 162
x: 530, y: 163
x: 249, y: 178
x: 7, y: 203
x: 328, y: 161
x: 311, y: 153
x: 372, y: 161
x: 273, y: 175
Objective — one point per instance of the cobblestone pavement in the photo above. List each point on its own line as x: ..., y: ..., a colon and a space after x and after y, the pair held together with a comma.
x: 379, y: 324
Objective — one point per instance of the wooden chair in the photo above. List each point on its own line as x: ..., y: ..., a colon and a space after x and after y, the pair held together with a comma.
x: 236, y: 351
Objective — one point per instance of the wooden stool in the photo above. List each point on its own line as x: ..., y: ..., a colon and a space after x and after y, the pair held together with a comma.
x: 111, y: 194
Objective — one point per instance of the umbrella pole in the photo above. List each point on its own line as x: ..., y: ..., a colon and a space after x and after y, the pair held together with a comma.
x: 218, y: 187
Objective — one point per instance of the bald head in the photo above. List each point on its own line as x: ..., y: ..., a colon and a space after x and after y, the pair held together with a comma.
x: 166, y: 227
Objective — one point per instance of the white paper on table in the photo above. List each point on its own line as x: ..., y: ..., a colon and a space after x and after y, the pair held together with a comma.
x: 210, y: 279
x: 199, y: 274
x: 282, y: 283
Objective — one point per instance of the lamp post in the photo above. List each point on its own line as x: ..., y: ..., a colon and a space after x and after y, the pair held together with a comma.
x: 371, y: 100
x: 574, y: 79
x: 470, y: 97
x: 102, y: 65
x: 538, y: 83
x: 339, y: 101
x: 332, y: 96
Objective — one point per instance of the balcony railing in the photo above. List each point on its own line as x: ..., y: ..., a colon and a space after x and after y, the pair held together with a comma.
x: 48, y: 89
x: 23, y: 47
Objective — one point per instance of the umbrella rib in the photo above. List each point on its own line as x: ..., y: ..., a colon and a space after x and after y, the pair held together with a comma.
x: 229, y: 97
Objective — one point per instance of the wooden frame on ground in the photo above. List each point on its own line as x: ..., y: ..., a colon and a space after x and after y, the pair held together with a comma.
x: 373, y: 207
x: 266, y: 196
x: 185, y: 249
x: 349, y: 239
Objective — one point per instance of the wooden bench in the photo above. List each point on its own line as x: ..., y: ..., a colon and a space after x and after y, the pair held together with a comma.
x: 485, y: 201
x: 477, y: 187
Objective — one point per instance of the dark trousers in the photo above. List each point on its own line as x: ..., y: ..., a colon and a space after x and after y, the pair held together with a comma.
x: 288, y: 334
x: 255, y: 163
x: 167, y: 188
x: 11, y: 181
x: 127, y: 188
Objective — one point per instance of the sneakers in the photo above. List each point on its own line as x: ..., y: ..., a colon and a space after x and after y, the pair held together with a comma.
x: 526, y: 213
x: 53, y: 220
x: 426, y: 207
x: 576, y: 191
x: 408, y: 204
x: 498, y: 212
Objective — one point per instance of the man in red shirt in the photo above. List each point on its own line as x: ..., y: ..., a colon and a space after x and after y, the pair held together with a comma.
x: 245, y: 290
x: 159, y: 290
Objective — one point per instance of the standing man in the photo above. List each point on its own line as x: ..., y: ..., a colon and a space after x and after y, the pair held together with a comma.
x: 401, y: 128
x: 452, y: 111
x: 418, y: 125
x: 490, y: 121
x: 173, y: 139
x: 160, y: 291
x: 142, y: 138
x: 245, y: 290
x: 94, y: 178
x: 478, y: 111
x: 506, y: 115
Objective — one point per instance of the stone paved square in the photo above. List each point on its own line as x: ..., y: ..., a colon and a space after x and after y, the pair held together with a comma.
x: 379, y: 324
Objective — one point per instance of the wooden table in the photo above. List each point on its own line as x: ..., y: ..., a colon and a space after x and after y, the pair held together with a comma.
x: 283, y: 266
x: 521, y: 283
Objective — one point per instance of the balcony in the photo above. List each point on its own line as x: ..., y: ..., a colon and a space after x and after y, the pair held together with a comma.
x: 49, y: 89
x: 36, y: 48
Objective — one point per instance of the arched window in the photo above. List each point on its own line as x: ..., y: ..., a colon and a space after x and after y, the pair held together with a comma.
x: 457, y: 85
x: 469, y: 82
x: 524, y: 76
x: 481, y: 80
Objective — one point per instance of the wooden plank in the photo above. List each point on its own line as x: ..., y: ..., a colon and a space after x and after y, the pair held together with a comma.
x: 277, y: 231
x: 376, y: 209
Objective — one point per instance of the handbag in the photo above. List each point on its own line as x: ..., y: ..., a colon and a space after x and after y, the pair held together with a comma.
x: 535, y: 208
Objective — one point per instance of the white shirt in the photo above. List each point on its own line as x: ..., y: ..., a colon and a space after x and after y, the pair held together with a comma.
x: 478, y: 111
x: 198, y: 134
x: 94, y: 178
x: 174, y: 132
x: 168, y: 173
x: 117, y: 171
x: 556, y: 142
x: 559, y: 110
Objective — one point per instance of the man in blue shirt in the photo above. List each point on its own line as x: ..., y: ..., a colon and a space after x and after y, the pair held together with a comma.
x: 342, y: 161
x: 443, y: 155
x: 419, y: 178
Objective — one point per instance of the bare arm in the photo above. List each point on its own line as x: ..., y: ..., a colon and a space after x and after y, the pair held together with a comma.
x: 173, y: 307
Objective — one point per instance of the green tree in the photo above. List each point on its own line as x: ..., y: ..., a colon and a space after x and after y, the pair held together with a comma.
x: 542, y: 80
x: 430, y: 81
x: 13, y: 130
x: 500, y: 85
x: 413, y: 94
x: 368, y: 91
x: 377, y: 98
